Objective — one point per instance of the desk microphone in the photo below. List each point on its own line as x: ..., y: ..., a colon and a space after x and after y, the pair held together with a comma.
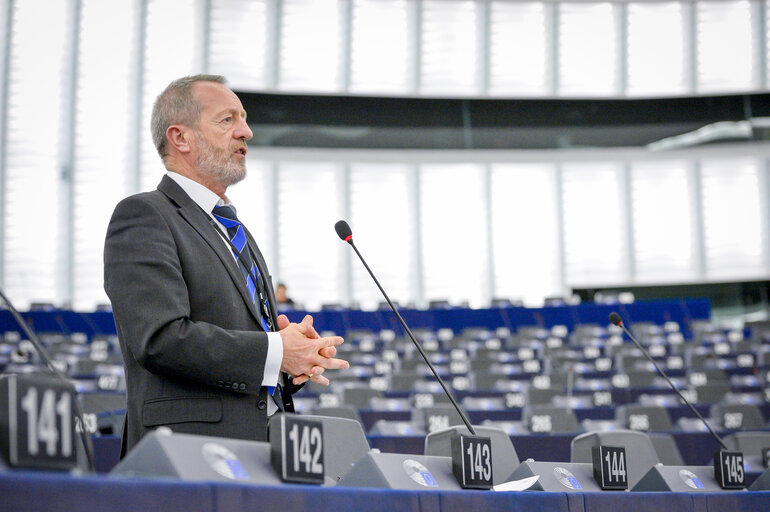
x: 616, y: 320
x: 344, y: 232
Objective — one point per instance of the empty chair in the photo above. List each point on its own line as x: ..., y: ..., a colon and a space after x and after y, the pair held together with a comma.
x: 504, y: 457
x: 734, y: 416
x: 752, y: 445
x: 641, y: 378
x: 640, y: 452
x: 436, y: 417
x: 548, y: 418
x: 666, y: 449
x: 404, y: 381
x: 711, y: 393
x: 341, y: 411
x: 543, y: 396
x: 645, y: 418
x: 486, y: 380
x: 703, y: 376
x: 359, y: 397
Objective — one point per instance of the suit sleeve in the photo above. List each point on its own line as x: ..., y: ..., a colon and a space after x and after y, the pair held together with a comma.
x: 144, y: 280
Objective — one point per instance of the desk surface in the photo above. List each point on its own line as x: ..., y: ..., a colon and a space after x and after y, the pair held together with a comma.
x: 23, y: 491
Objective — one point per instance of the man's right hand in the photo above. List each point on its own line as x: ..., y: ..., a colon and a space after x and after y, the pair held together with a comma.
x: 305, y: 354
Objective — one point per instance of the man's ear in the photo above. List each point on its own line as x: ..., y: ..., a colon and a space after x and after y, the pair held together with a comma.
x: 179, y: 137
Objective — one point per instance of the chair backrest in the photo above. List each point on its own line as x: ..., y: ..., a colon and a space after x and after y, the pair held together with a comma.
x: 547, y: 418
x: 342, y: 411
x: 359, y: 397
x: 737, y: 416
x: 645, y: 418
x: 666, y: 449
x: 752, y: 445
x: 436, y: 417
x: 640, y: 452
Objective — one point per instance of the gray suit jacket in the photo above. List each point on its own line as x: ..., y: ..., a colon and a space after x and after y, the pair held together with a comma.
x: 193, y: 346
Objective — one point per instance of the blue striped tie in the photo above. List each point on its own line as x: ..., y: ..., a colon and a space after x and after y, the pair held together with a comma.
x: 226, y: 216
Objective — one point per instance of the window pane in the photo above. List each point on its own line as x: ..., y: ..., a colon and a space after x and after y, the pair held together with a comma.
x: 656, y: 40
x: 310, y: 254
x: 382, y: 49
x: 310, y: 45
x: 525, y: 232
x: 725, y: 46
x: 449, y: 47
x: 239, y: 41
x: 663, y: 224
x: 731, y: 218
x: 170, y: 53
x: 105, y: 98
x: 587, y: 49
x: 453, y: 224
x: 594, y: 234
x: 34, y: 224
x: 383, y: 220
x: 519, y: 48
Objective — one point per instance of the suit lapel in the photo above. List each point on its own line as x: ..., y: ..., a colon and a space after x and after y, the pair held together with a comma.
x: 202, y: 223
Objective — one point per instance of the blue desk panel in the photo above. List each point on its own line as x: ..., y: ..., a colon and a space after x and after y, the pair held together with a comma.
x: 341, y: 321
x: 31, y: 492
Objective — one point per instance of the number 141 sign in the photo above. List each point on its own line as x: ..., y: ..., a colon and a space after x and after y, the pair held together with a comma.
x: 38, y: 424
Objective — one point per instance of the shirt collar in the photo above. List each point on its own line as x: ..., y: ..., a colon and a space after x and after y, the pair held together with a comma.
x: 201, y: 195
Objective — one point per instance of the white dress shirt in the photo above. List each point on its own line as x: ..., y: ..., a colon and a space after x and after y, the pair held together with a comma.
x: 207, y: 200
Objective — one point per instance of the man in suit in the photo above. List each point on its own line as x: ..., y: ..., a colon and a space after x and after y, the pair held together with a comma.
x: 191, y: 295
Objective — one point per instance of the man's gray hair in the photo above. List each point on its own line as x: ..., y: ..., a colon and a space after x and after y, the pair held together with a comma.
x: 176, y: 105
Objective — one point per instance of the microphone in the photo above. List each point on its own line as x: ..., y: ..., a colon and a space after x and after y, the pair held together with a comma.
x: 616, y: 320
x: 344, y: 232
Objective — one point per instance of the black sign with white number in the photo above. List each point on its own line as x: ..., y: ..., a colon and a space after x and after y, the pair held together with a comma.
x: 610, y: 467
x: 297, y: 449
x: 472, y: 461
x: 728, y: 470
x: 37, y: 422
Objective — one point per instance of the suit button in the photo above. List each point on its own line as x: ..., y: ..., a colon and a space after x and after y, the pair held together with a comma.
x: 242, y: 387
x: 261, y: 405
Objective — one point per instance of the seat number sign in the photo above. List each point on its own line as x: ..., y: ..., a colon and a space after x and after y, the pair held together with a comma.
x: 40, y: 422
x: 472, y: 461
x: 297, y: 449
x: 610, y: 467
x: 728, y: 469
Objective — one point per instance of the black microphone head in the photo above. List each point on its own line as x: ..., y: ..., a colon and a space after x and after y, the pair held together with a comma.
x: 343, y: 230
x: 615, y: 319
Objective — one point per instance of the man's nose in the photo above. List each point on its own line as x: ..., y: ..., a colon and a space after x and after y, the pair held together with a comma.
x: 242, y: 130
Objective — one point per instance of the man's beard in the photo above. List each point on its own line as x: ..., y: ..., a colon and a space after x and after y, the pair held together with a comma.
x: 219, y: 163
